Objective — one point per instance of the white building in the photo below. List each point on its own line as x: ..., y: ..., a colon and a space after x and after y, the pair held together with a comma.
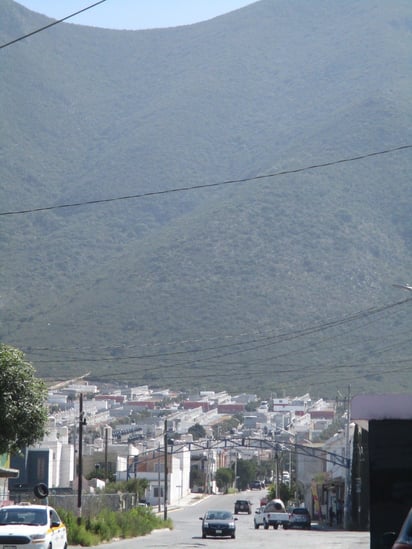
x: 50, y: 461
x: 150, y: 465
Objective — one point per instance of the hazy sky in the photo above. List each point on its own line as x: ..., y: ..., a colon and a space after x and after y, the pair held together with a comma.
x: 135, y: 14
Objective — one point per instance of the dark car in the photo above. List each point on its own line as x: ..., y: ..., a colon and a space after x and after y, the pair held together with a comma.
x: 404, y: 538
x: 243, y: 506
x: 256, y: 485
x: 218, y: 523
x: 299, y: 517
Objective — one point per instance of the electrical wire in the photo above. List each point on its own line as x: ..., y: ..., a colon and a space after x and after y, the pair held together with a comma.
x: 254, y: 344
x: 210, y: 185
x: 41, y: 29
x: 298, y: 372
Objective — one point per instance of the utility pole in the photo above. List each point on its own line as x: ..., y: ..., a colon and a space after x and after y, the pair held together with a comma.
x: 277, y: 472
x: 106, y: 443
x: 82, y: 422
x: 158, y: 478
x: 348, y: 466
x: 277, y: 466
x: 209, y: 470
x: 165, y: 473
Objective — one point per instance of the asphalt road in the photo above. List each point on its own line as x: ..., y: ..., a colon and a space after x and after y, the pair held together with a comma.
x: 187, y: 531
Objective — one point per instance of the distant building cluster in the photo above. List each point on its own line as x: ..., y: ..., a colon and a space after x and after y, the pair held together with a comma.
x: 124, y: 437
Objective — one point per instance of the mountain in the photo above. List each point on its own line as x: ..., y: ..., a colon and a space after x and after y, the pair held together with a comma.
x: 219, y: 205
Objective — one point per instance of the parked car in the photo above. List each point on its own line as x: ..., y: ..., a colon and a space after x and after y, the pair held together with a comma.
x: 299, y: 517
x: 217, y: 522
x: 258, y: 518
x: 243, y: 506
x: 404, y: 539
x: 33, y: 526
x: 286, y: 477
x: 256, y: 485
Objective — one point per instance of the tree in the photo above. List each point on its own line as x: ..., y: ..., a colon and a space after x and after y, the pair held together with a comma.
x: 224, y: 478
x: 197, y: 430
x: 136, y: 486
x: 285, y: 492
x: 252, y: 406
x: 226, y: 426
x: 197, y: 478
x: 246, y: 471
x: 23, y: 399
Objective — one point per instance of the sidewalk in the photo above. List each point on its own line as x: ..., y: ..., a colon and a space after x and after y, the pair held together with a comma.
x: 190, y: 499
x: 187, y: 501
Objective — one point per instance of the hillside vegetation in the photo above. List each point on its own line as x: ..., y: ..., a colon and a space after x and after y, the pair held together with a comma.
x: 234, y: 280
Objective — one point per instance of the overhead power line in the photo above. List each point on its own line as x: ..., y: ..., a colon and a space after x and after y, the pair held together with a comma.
x: 231, y: 349
x: 50, y: 25
x: 209, y: 185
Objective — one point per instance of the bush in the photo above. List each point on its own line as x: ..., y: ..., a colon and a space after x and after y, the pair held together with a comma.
x: 78, y: 534
x: 108, y: 525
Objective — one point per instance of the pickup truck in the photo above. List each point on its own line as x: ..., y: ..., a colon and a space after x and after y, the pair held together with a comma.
x: 275, y: 514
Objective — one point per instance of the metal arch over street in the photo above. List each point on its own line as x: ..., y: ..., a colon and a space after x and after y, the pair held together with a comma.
x: 261, y: 444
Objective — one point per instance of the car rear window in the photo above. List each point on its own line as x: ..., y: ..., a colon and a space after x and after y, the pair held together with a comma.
x: 300, y: 511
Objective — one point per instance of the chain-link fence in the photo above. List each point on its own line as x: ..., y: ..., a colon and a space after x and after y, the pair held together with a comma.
x: 91, y: 504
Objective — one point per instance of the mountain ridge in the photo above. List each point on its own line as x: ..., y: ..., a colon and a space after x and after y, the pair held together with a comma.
x: 93, y: 114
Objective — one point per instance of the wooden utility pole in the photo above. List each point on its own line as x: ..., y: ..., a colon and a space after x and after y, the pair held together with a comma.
x: 346, y: 503
x: 80, y: 458
x: 165, y: 472
x: 106, y: 444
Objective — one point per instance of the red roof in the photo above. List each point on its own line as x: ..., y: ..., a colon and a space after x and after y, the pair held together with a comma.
x: 190, y: 404
x: 230, y: 408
